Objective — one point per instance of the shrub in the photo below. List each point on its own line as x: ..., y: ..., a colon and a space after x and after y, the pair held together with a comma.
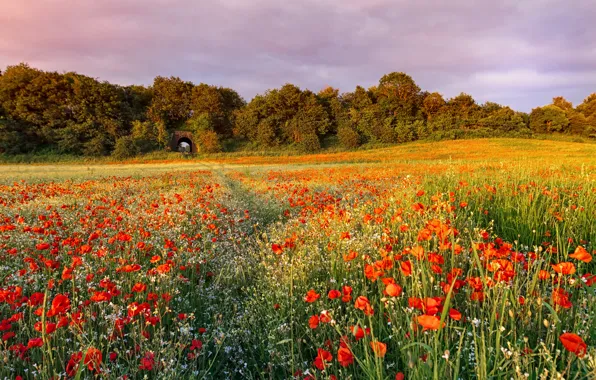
x: 208, y: 142
x: 125, y: 147
x: 309, y: 143
x: 348, y: 137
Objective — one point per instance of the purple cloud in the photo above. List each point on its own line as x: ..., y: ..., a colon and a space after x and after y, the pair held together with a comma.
x: 516, y: 53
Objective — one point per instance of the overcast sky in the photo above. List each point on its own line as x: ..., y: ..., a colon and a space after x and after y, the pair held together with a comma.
x: 515, y: 52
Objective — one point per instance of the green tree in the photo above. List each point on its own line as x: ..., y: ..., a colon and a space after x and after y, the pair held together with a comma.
x: 433, y: 104
x: 171, y: 101
x: 399, y: 96
x: 504, y: 120
x: 548, y: 119
x: 562, y: 103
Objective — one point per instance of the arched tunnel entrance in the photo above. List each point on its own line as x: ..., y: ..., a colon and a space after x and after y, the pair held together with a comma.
x: 182, y: 141
x: 185, y: 145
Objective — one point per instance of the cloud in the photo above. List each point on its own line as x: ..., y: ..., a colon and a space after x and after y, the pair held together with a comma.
x: 524, y: 52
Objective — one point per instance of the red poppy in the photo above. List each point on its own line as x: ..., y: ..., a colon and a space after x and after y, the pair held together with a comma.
x: 362, y: 303
x: 345, y: 356
x: 429, y: 322
x: 393, y: 290
x: 196, y: 344
x: 406, y: 268
x: 60, y: 304
x: 380, y: 349
x: 358, y: 332
x: 277, y: 249
x: 333, y: 294
x: 164, y: 268
x: 454, y: 314
x: 147, y: 362
x: 564, y: 267
x: 311, y: 296
x: 350, y: 256
x: 325, y: 317
x: 323, y: 356
x: 313, y: 322
x: 93, y: 359
x: 581, y: 254
x: 573, y: 343
x: 139, y: 287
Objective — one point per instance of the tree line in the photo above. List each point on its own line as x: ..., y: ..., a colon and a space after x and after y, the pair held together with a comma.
x: 76, y: 114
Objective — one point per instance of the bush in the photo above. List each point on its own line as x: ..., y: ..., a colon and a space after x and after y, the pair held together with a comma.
x: 125, y: 147
x: 406, y: 132
x: 348, y: 137
x: 97, y: 146
x: 309, y: 143
x: 208, y: 142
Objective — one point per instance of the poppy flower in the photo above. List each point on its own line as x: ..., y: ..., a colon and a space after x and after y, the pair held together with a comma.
x: 323, y: 356
x: 35, y: 342
x: 393, y: 290
x: 573, y: 343
x: 345, y: 356
x: 347, y: 293
x: 417, y: 252
x: 581, y: 254
x: 93, y: 358
x: 362, y: 303
x: 73, y: 363
x: 406, y: 268
x: 454, y: 314
x: 8, y: 335
x: 60, y: 304
x: 564, y: 267
x: 196, y: 344
x: 543, y: 274
x: 147, y: 362
x: 325, y: 317
x: 350, y: 256
x: 429, y: 322
x: 380, y: 349
x: 372, y: 273
x: 561, y: 297
x: 101, y: 296
x: 163, y: 269
x: 358, y: 332
x: 277, y: 249
x: 139, y: 287
x: 313, y: 322
x: 333, y: 294
x: 129, y: 268
x: 311, y: 296
x: 42, y: 246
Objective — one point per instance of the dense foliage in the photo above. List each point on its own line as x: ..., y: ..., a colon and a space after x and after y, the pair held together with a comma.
x: 76, y: 114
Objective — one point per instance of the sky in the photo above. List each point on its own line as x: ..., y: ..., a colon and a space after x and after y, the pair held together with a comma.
x: 519, y: 53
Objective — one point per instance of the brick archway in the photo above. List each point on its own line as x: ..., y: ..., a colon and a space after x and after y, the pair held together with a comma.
x: 179, y: 137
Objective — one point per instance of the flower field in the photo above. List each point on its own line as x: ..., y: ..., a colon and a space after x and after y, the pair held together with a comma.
x: 426, y: 261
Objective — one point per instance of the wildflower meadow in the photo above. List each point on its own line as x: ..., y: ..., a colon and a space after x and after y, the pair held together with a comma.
x: 450, y: 260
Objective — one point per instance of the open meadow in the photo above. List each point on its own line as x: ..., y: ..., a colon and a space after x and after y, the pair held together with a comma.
x: 456, y: 259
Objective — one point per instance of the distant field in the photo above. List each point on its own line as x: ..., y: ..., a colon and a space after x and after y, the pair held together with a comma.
x: 461, y: 154
x: 458, y: 259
